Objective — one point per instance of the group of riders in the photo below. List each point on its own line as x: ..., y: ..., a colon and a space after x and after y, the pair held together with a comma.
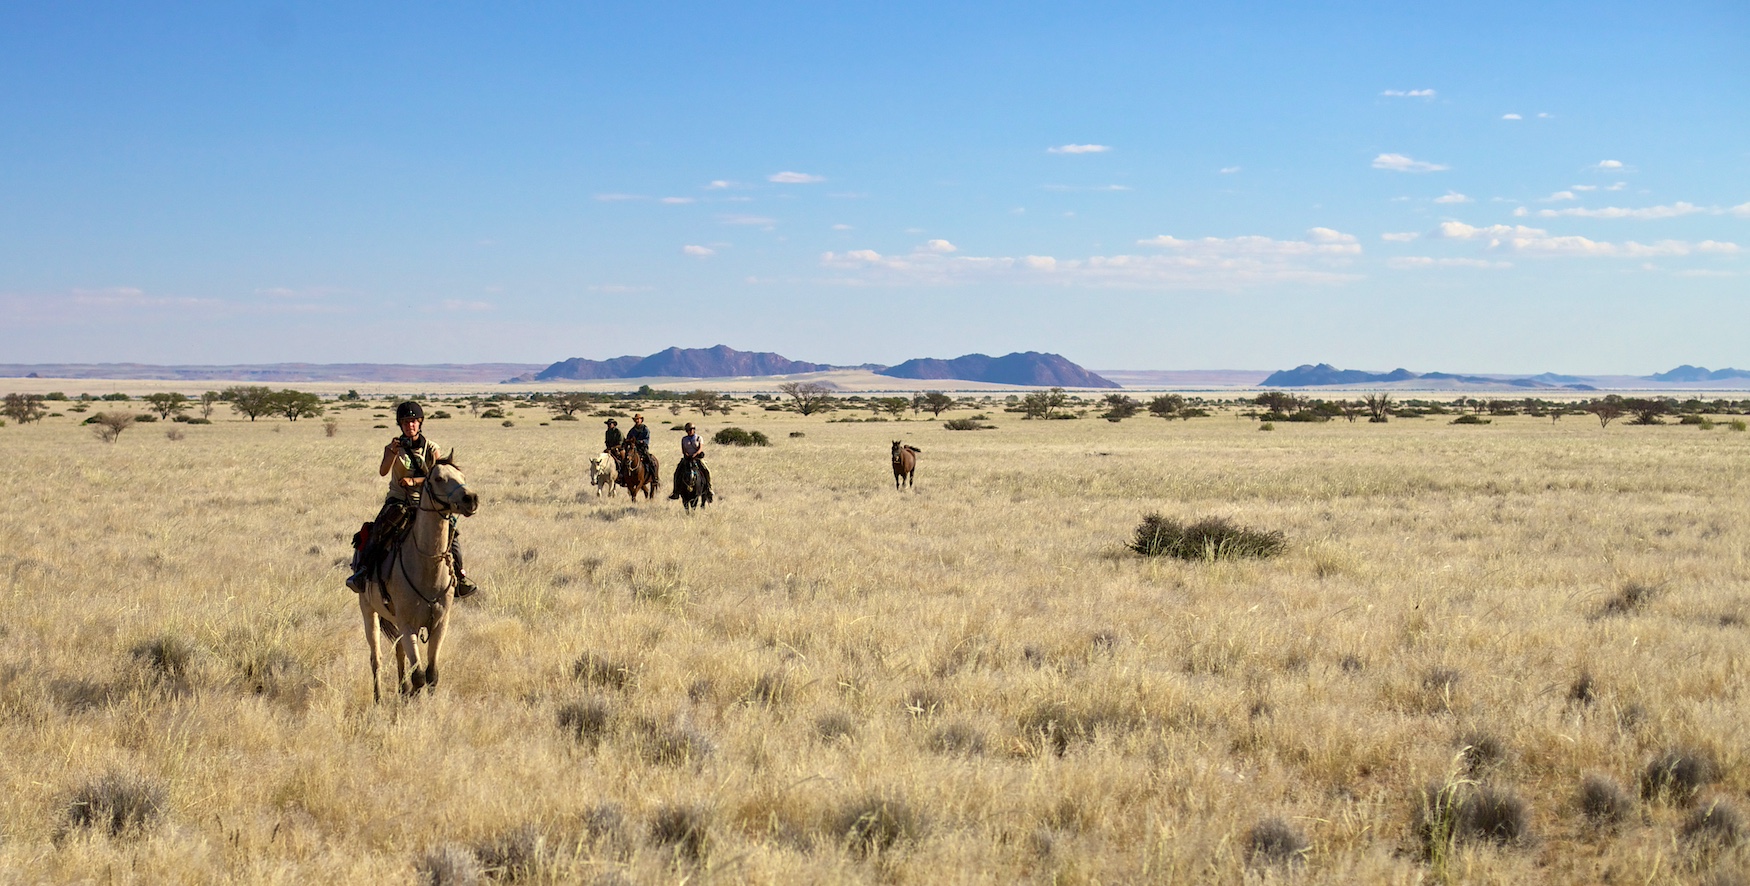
x: 409, y: 457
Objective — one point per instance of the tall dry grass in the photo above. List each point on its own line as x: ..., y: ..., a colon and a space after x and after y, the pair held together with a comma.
x: 822, y: 680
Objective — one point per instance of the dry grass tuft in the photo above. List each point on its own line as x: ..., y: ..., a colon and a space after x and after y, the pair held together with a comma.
x: 1212, y: 538
x: 449, y: 865
x: 1274, y: 841
x: 1480, y: 751
x: 593, y: 670
x: 1715, y: 825
x: 519, y: 855
x: 875, y: 824
x: 1604, y: 802
x: 168, y: 659
x: 684, y: 830
x: 1493, y: 814
x: 117, y: 804
x: 958, y: 739
x: 834, y: 726
x: 1676, y: 776
x: 1054, y: 726
x: 587, y: 721
x: 670, y: 745
x: 1633, y: 597
x: 1584, y: 690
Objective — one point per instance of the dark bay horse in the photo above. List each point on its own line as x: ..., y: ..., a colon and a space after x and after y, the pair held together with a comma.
x: 690, y: 484
x: 632, y: 475
x: 905, y: 463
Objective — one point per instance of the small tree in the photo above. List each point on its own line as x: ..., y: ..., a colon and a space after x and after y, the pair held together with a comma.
x: 1351, y: 409
x: 1120, y: 406
x: 935, y: 402
x: 570, y: 402
x: 1608, y: 409
x: 251, y: 400
x: 1279, y: 402
x: 705, y: 401
x: 209, y: 399
x: 109, y: 425
x: 1044, y: 404
x: 24, y: 408
x: 296, y: 404
x: 1379, y: 407
x: 894, y: 406
x: 165, y: 404
x: 808, y: 397
x: 1647, y: 412
x: 1166, y: 405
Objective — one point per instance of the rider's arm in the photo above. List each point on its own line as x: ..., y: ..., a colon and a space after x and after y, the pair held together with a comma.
x: 390, y: 451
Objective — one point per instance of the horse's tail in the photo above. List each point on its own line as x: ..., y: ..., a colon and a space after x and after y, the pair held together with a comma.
x: 911, y: 448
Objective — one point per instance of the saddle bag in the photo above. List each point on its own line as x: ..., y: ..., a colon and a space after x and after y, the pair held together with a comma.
x: 362, y: 537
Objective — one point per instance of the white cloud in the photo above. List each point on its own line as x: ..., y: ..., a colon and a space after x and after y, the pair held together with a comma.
x: 1511, y: 117
x: 1742, y: 210
x: 1412, y: 93
x: 941, y: 247
x: 795, y: 178
x: 697, y: 251
x: 134, y: 297
x: 617, y: 198
x: 1542, y: 115
x: 758, y: 221
x: 1400, y: 237
x: 1418, y: 262
x: 1200, y: 263
x: 1559, y: 196
x: 1401, y: 163
x: 456, y: 304
x: 1453, y: 197
x: 1079, y: 149
x: 719, y: 185
x: 677, y: 200
x: 841, y: 227
x: 1617, y: 187
x: 1227, y: 170
x: 1647, y: 213
x: 1608, y: 164
x: 1582, y: 187
x: 1536, y: 241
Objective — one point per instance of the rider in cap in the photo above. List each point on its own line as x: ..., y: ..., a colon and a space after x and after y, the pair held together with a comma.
x: 639, y: 437
x: 692, y: 450
x: 612, y: 439
x: 406, y: 461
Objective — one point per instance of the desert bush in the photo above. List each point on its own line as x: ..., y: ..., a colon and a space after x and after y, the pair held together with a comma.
x: 449, y: 865
x: 594, y: 670
x: 1471, y: 418
x: 1494, y: 815
x: 1212, y: 538
x: 1676, y: 776
x: 966, y: 424
x: 587, y: 721
x: 330, y: 427
x: 109, y: 425
x: 670, y: 745
x: 1633, y: 597
x: 119, y: 804
x: 834, y: 726
x: 1481, y: 750
x: 684, y: 830
x: 492, y: 412
x: 957, y: 739
x: 740, y: 437
x: 1603, y: 801
x: 1713, y: 825
x: 1267, y: 426
x: 1274, y: 841
x: 1737, y: 424
x: 174, y: 434
x: 795, y: 434
x: 518, y: 855
x: 167, y: 658
x: 872, y: 825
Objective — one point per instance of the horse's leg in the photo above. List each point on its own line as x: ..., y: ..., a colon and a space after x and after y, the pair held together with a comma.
x: 371, y: 641
x: 412, y: 676
x: 432, y: 643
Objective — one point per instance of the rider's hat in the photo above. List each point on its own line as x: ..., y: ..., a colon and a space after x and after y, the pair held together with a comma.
x: 637, y: 416
x: 610, y: 422
x: 408, y: 409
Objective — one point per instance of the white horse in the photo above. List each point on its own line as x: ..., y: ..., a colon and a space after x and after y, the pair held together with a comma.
x: 601, y: 473
x: 412, y: 589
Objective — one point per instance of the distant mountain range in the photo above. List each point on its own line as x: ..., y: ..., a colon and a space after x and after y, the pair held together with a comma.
x: 1028, y: 368
x: 1308, y: 375
x: 1023, y: 368
x: 1687, y: 372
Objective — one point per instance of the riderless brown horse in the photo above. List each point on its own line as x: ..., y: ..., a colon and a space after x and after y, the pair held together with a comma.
x: 414, y: 586
x: 905, y: 462
x: 632, y: 475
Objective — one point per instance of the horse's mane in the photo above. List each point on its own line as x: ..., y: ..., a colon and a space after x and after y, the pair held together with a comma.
x: 449, y: 460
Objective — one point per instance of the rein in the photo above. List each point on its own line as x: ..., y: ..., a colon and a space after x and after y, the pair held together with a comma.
x: 401, y: 558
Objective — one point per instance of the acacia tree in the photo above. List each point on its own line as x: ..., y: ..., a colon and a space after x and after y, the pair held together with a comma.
x: 24, y: 408
x: 894, y: 406
x: 1280, y: 401
x: 250, y: 400
x: 1120, y: 406
x: 296, y: 404
x: 1608, y: 409
x: 569, y: 402
x: 705, y: 401
x: 1350, y: 409
x: 808, y: 397
x: 109, y: 425
x: 1647, y: 412
x: 165, y: 404
x: 1166, y: 405
x: 1044, y: 404
x: 935, y: 402
x: 208, y: 401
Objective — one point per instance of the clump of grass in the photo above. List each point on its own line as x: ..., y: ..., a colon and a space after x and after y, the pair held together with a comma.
x: 1471, y: 419
x: 1461, y: 810
x: 1603, y: 801
x: 1633, y: 597
x: 595, y: 670
x: 957, y: 739
x: 1055, y: 726
x: 684, y: 830
x: 872, y: 825
x: 588, y: 721
x: 670, y: 745
x: 168, y: 657
x: 520, y: 854
x: 739, y: 437
x: 771, y: 689
x: 1493, y: 814
x: 118, y: 804
x: 1481, y: 750
x: 276, y: 674
x: 1212, y: 538
x: 834, y: 726
x: 1713, y: 825
x: 1675, y: 776
x: 1584, y: 690
x: 1274, y: 841
x: 449, y: 865
x: 923, y: 701
x: 967, y: 424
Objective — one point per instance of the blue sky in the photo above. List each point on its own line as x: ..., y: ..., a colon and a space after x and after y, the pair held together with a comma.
x: 1476, y: 187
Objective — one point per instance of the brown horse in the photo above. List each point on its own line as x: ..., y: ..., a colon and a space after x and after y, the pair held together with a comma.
x: 414, y: 586
x: 905, y: 462
x: 631, y: 473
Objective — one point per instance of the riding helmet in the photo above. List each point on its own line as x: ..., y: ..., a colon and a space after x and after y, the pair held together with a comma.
x: 408, y: 409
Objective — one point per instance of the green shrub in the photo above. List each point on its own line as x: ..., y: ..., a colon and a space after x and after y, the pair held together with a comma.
x: 1212, y: 538
x: 1471, y: 418
x: 739, y: 437
x: 1267, y: 426
x: 966, y: 424
x: 1737, y: 424
x: 494, y: 412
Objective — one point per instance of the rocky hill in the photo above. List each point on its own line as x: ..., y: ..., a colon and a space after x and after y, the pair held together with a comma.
x: 1022, y: 368
x: 716, y: 362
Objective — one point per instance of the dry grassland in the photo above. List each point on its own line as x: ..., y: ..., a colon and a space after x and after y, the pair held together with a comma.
x: 823, y: 680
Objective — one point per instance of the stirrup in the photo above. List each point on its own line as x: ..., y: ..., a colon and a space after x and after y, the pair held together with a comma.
x: 357, y: 582
x: 465, y: 588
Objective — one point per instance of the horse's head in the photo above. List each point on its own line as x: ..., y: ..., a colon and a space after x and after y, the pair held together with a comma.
x: 448, y: 489
x: 896, y: 445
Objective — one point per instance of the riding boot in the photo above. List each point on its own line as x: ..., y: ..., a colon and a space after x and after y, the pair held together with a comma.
x: 464, y: 587
x: 366, y: 564
x: 705, y: 477
x: 678, y: 471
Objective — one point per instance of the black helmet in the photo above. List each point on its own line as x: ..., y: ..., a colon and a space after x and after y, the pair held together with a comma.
x: 408, y: 409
